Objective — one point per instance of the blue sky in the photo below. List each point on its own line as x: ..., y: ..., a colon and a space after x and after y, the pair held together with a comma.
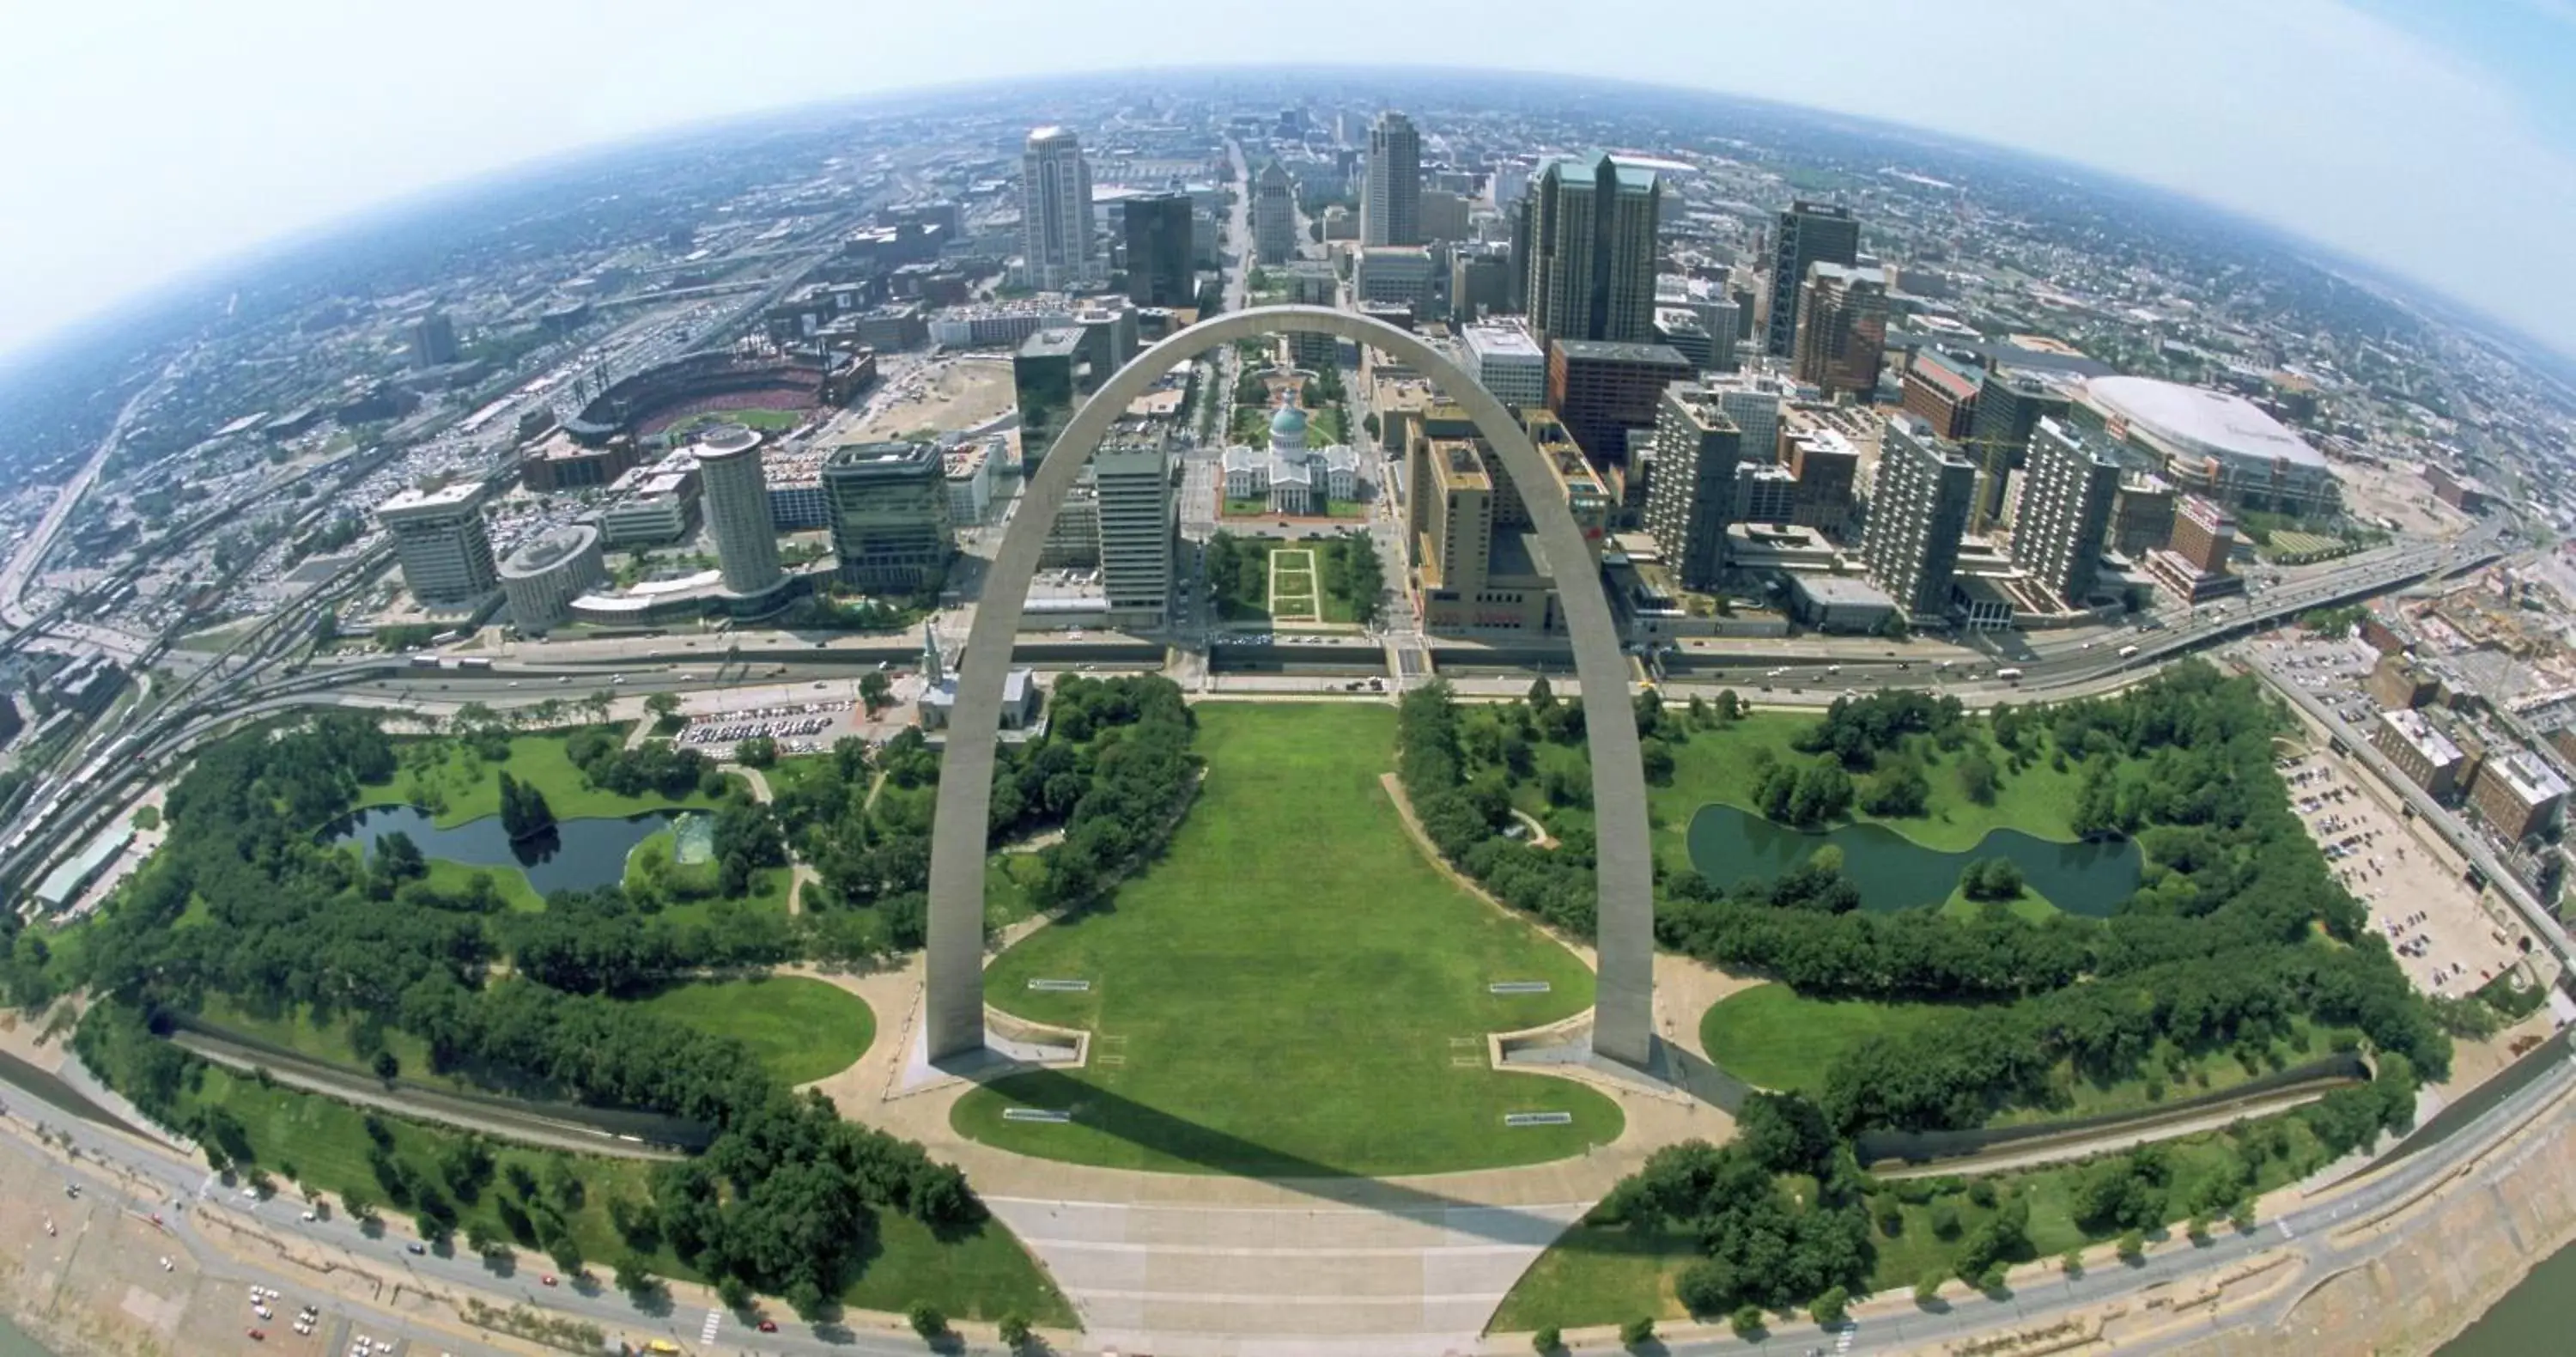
x: 143, y: 139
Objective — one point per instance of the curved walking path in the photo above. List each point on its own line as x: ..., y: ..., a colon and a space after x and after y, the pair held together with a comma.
x: 799, y: 873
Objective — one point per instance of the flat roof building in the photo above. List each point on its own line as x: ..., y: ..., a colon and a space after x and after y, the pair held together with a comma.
x: 1138, y: 530
x: 890, y: 524
x: 1842, y: 330
x: 1589, y: 225
x: 735, y: 494
x: 1918, y: 508
x: 439, y: 536
x: 2428, y: 757
x: 547, y: 572
x: 2065, y: 510
x: 1693, y: 495
x: 2518, y: 793
x: 1506, y: 361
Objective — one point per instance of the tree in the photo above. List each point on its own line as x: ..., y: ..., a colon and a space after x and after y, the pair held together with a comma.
x: 1657, y: 757
x: 2133, y: 1247
x: 663, y: 706
x: 875, y: 691
x: 1746, y: 1321
x: 1638, y: 1332
x: 1977, y: 779
x: 635, y: 1278
x: 1892, y: 627
x: 735, y: 1293
x: 2071, y: 1262
x: 1831, y: 1308
x: 1927, y: 1288
x: 760, y: 751
x: 1991, y: 879
x: 1547, y: 1342
x: 1015, y: 1332
x: 1784, y: 1133
x: 928, y: 1321
x: 387, y: 1066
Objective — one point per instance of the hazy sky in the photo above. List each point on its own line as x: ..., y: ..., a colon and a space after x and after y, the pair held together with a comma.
x: 141, y: 140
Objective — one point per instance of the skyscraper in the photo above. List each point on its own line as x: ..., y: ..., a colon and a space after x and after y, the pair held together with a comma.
x: 1693, y: 494
x: 1274, y: 215
x: 1390, y: 207
x: 1137, y: 528
x: 2008, y: 410
x: 891, y: 531
x: 439, y: 537
x: 1591, y: 232
x: 734, y: 493
x: 1842, y: 330
x: 1917, y: 510
x: 1056, y: 248
x: 2065, y: 511
x: 1808, y: 234
x: 432, y: 341
x: 1159, y: 272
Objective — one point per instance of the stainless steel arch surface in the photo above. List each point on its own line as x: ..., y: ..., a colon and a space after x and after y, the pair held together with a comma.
x: 1623, y: 1027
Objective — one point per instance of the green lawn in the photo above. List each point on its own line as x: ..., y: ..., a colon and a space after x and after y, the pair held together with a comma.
x: 460, y: 786
x: 1719, y: 764
x: 801, y: 1028
x: 1773, y: 1036
x: 1597, y: 1274
x: 451, y: 878
x: 689, y: 889
x: 1292, y: 990
x: 2029, y: 905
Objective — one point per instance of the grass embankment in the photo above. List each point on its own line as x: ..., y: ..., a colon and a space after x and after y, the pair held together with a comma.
x: 1773, y: 1037
x: 1292, y: 990
x: 324, y: 1145
x: 1608, y: 1274
x: 459, y: 785
x: 802, y: 1029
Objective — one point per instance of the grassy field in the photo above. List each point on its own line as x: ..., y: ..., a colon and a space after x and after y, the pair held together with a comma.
x: 322, y: 1145
x: 451, y: 878
x: 690, y: 892
x: 333, y: 1042
x: 1773, y: 1036
x: 801, y: 1028
x: 2030, y: 905
x: 1293, y: 990
x: 1598, y: 1274
x: 463, y: 787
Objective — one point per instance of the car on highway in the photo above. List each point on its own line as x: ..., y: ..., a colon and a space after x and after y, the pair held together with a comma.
x: 768, y: 1326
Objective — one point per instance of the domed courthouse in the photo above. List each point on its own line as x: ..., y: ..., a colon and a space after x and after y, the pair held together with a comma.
x: 1288, y: 477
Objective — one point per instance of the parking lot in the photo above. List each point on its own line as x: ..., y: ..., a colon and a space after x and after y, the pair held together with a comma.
x: 799, y: 727
x: 2448, y: 939
x: 2332, y: 669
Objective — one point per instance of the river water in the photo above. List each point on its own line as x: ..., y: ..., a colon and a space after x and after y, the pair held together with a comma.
x: 2091, y: 878
x: 16, y: 1344
x: 2535, y: 1317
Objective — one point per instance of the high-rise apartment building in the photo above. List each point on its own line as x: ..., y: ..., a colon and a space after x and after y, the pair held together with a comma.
x: 1056, y: 248
x: 439, y: 537
x: 431, y: 341
x: 1159, y: 245
x: 1590, y: 226
x: 890, y: 526
x: 2065, y: 512
x: 1842, y: 330
x: 1694, y: 491
x: 1507, y: 362
x: 1137, y: 530
x: 1391, y: 202
x: 2204, y: 534
x: 734, y: 495
x: 1274, y: 215
x: 2008, y: 409
x: 1918, y: 507
x: 1808, y: 234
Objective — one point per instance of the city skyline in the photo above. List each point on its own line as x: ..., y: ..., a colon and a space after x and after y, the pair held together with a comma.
x: 2287, y: 123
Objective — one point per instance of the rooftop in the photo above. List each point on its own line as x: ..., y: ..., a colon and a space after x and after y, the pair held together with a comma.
x: 2411, y: 727
x: 546, y: 549
x: 2530, y: 777
x: 1612, y: 351
x: 2210, y: 423
x: 445, y: 497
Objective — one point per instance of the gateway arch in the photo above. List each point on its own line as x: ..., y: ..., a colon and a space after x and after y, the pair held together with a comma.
x: 1622, y: 1025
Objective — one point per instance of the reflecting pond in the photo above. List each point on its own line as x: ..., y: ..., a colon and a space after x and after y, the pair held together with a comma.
x: 575, y: 855
x: 1730, y: 845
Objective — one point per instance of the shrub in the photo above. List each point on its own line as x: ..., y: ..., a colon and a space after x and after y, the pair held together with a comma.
x: 1546, y: 1340
x: 927, y: 1321
x: 1746, y: 1321
x: 1638, y: 1332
